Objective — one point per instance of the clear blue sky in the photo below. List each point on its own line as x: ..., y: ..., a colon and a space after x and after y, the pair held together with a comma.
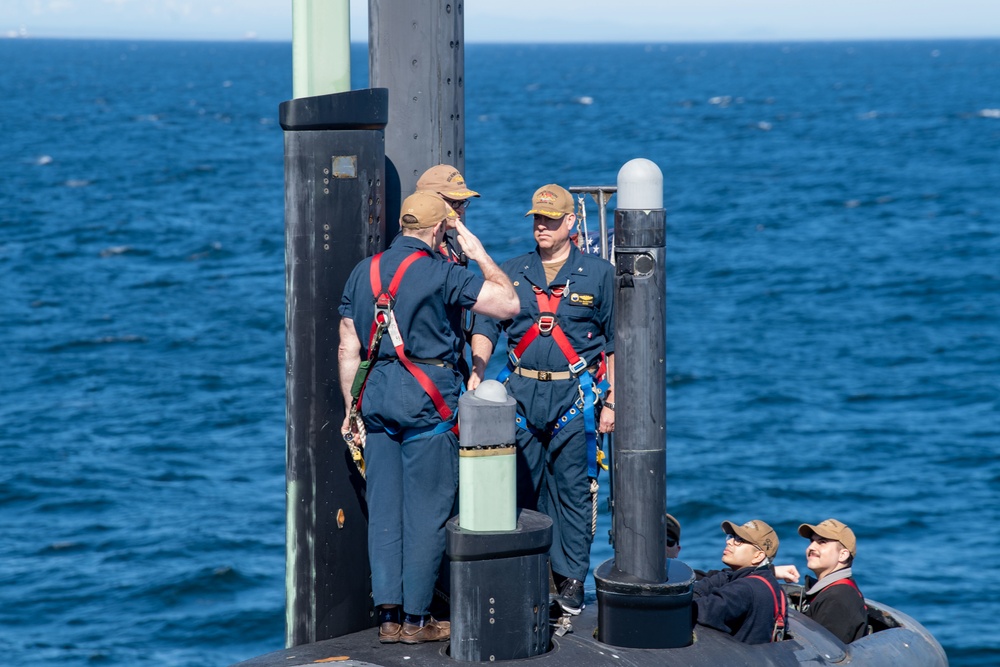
x: 525, y: 20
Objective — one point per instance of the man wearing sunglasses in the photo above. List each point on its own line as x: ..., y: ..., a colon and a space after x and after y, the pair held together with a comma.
x: 449, y: 184
x: 744, y: 600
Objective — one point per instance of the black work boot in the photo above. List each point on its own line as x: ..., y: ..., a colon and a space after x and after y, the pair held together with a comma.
x: 570, y: 598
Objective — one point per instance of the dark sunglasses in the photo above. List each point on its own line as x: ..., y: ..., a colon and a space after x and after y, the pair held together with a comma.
x: 458, y: 204
x: 671, y: 542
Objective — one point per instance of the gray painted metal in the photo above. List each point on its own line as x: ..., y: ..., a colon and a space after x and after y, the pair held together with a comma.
x: 486, y: 421
x: 640, y: 441
x: 334, y: 189
x: 417, y: 51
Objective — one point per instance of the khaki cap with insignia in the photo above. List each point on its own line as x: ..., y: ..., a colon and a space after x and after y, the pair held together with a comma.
x: 552, y: 201
x: 755, y: 532
x: 445, y: 180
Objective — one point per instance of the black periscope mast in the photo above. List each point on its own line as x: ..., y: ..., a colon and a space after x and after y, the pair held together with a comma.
x: 348, y: 158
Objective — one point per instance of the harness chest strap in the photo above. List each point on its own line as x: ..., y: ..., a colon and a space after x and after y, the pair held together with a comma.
x: 386, y: 320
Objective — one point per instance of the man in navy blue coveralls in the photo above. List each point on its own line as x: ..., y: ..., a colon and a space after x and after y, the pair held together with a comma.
x: 741, y: 600
x: 412, y: 462
x: 553, y: 475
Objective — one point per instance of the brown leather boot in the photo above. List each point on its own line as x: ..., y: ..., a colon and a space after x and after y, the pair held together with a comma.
x: 388, y: 632
x: 431, y: 631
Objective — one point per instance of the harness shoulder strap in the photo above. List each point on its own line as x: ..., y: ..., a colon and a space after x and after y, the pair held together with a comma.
x: 386, y: 319
x: 848, y: 582
x: 780, y: 611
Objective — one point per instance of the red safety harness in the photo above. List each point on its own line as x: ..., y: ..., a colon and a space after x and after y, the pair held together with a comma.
x: 848, y: 582
x: 591, y: 386
x: 385, y: 319
x: 548, y: 325
x: 780, y: 611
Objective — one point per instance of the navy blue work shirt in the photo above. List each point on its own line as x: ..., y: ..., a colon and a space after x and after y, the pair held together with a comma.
x: 585, y: 313
x: 428, y: 311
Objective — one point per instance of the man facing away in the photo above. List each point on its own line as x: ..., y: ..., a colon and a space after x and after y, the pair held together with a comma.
x: 561, y: 352
x: 745, y: 600
x: 832, y: 598
x: 409, y: 401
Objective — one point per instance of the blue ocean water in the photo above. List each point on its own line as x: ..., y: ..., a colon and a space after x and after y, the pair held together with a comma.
x: 833, y: 315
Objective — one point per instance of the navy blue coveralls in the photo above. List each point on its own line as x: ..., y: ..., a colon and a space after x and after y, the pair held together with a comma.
x: 412, y: 481
x: 552, y: 474
x: 728, y: 601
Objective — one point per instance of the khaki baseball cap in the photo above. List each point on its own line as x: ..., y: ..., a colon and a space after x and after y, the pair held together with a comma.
x: 445, y: 180
x: 757, y: 533
x: 424, y: 209
x: 831, y: 529
x: 552, y: 201
x: 673, y: 528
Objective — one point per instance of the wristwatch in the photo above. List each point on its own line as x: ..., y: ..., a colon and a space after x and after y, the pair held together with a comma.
x: 609, y: 405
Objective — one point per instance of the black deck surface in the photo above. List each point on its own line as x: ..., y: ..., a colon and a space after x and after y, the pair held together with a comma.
x: 579, y: 648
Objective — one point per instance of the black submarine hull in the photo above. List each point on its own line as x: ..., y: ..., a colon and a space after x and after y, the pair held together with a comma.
x: 899, y: 640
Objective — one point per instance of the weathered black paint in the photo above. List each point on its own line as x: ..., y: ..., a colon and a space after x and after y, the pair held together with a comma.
x: 334, y: 193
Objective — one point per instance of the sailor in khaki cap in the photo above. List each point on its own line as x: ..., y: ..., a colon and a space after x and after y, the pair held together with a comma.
x: 449, y: 184
x: 407, y: 396
x: 744, y: 600
x: 560, y: 370
x: 832, y: 598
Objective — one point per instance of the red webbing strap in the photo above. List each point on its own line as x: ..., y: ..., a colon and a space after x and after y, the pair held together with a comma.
x: 779, y: 612
x: 425, y: 382
x: 848, y: 582
x: 428, y: 385
x: 548, y: 304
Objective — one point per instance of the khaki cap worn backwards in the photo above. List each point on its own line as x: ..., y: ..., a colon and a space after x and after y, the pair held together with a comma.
x: 424, y: 209
x: 831, y: 529
x: 755, y: 532
x: 445, y: 180
x: 552, y: 201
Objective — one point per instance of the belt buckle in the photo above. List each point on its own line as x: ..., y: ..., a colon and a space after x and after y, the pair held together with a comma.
x: 545, y: 376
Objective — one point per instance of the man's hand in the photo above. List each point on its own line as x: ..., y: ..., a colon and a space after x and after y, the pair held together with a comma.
x: 607, y: 422
x: 787, y: 573
x: 469, y: 243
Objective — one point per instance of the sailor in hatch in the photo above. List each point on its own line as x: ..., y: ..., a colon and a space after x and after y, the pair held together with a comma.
x: 409, y: 400
x: 560, y: 370
x: 744, y: 600
x: 832, y: 598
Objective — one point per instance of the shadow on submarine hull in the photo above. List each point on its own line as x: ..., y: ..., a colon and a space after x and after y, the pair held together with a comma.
x: 897, y: 640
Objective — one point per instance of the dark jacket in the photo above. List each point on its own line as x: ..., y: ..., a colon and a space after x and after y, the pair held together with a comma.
x: 728, y: 601
x: 840, y: 608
